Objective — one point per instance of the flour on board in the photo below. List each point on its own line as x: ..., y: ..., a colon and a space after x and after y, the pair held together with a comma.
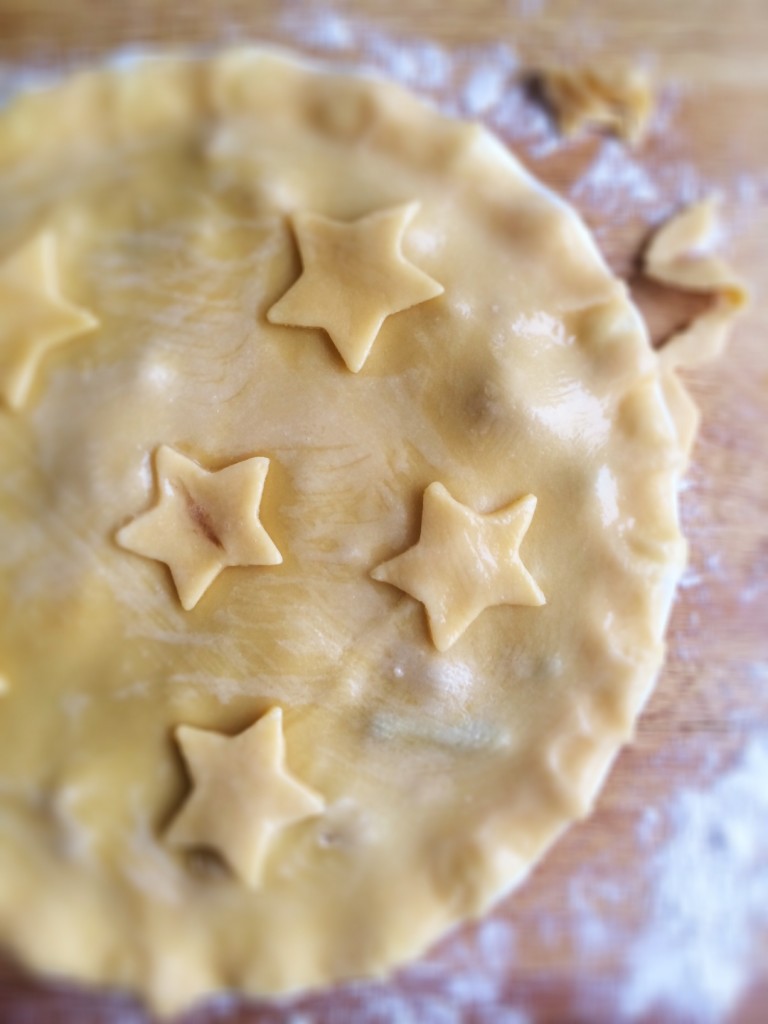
x: 710, y: 897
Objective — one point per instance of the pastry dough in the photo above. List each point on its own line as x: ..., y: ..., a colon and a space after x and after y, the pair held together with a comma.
x: 612, y: 98
x: 246, y: 774
x: 203, y: 522
x: 464, y: 563
x: 229, y: 757
x: 680, y: 255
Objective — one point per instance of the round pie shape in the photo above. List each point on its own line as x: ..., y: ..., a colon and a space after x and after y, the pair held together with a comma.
x: 152, y: 225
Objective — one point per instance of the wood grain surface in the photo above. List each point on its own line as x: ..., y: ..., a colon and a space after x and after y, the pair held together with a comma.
x: 573, y: 943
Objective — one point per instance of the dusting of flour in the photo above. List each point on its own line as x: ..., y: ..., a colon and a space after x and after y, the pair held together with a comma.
x: 708, y: 926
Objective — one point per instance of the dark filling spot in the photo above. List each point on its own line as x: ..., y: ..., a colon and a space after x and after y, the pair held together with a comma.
x: 201, y: 519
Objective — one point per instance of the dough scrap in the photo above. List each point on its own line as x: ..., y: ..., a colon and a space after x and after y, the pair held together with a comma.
x: 516, y: 366
x: 679, y: 254
x: 617, y: 99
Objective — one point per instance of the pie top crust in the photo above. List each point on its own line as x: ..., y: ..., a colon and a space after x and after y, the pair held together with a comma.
x: 339, y: 482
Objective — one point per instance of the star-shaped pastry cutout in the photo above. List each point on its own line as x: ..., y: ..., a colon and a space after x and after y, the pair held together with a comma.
x: 463, y: 563
x: 202, y: 522
x: 354, y: 277
x: 36, y: 316
x: 242, y: 795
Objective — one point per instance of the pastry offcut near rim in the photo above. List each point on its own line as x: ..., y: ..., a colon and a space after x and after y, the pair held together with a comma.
x: 260, y: 770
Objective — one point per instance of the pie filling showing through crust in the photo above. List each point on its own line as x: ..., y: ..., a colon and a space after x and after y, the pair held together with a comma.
x: 338, y: 489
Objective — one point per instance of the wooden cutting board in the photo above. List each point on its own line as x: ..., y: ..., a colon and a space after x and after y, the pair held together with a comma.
x: 656, y: 909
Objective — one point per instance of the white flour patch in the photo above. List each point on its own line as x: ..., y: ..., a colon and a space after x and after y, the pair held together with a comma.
x: 454, y: 679
x: 706, y: 574
x: 467, y: 986
x: 325, y: 30
x: 684, y: 180
x: 710, y: 898
x: 616, y: 183
x: 525, y: 123
x: 419, y: 63
x: 488, y: 80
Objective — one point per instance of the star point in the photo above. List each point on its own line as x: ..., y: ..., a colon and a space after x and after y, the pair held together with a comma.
x: 202, y: 522
x: 463, y: 563
x: 354, y: 276
x: 36, y: 316
x: 242, y: 794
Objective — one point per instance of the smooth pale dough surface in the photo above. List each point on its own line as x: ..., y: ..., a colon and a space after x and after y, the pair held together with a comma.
x: 165, y: 211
